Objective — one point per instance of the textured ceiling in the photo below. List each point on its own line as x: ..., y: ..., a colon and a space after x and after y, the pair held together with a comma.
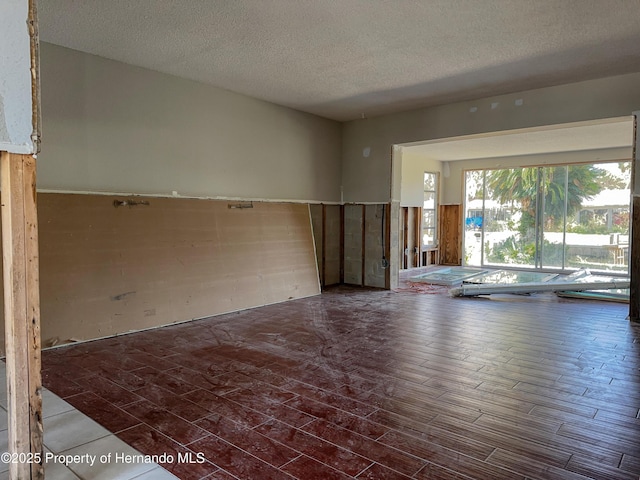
x: 344, y: 58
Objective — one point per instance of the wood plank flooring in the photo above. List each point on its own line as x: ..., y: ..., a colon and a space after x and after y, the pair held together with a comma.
x: 373, y: 384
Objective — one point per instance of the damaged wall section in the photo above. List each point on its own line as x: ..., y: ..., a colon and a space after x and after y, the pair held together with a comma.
x: 366, y: 245
x: 106, y: 269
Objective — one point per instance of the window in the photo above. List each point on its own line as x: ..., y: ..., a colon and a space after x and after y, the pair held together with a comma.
x: 429, y: 210
x: 562, y: 217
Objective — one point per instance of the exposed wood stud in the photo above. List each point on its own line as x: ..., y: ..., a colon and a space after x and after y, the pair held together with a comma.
x: 405, y: 236
x: 387, y: 244
x: 22, y: 312
x: 341, y: 243
x: 364, y: 237
x: 323, y: 274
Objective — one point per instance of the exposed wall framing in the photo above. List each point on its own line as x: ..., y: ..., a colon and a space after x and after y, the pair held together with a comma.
x: 450, y: 234
x: 328, y: 235
x: 367, y: 245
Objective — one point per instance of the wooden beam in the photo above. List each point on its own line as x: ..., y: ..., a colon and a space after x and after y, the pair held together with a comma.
x: 22, y: 312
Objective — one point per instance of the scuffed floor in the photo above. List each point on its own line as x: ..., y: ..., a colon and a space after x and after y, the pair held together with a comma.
x: 374, y: 384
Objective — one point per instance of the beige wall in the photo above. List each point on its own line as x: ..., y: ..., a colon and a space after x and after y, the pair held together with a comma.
x: 368, y: 178
x: 111, y: 127
x: 412, y: 172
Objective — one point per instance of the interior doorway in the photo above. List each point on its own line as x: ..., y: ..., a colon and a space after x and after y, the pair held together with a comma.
x: 549, y: 151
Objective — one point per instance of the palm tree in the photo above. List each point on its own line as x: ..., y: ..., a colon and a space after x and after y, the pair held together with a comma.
x: 555, y: 185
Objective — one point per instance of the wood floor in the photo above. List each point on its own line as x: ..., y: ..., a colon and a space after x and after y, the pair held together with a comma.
x: 375, y: 384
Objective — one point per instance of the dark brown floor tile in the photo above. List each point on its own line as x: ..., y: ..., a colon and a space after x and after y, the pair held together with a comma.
x: 435, y: 440
x: 591, y: 469
x: 236, y: 461
x: 166, y: 422
x: 217, y: 384
x: 288, y: 415
x: 503, y: 387
x: 531, y: 468
x: 60, y: 384
x: 175, y: 404
x: 220, y: 475
x: 375, y: 451
x: 538, y: 444
x: 436, y: 472
x: 260, y: 396
x: 338, y: 417
x: 108, y: 390
x: 148, y: 360
x: 378, y: 472
x: 151, y: 376
x: 306, y: 468
x: 215, y: 404
x: 322, y: 451
x: 631, y: 463
x: 330, y: 398
x: 249, y: 440
x: 151, y: 442
x: 106, y: 414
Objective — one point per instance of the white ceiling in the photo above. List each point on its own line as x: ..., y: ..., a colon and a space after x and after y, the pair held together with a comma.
x: 344, y: 58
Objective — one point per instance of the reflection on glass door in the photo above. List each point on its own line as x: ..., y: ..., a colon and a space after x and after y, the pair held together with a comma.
x: 560, y: 217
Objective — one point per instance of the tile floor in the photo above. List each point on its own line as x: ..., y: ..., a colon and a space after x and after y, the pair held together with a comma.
x: 70, y: 432
x: 373, y: 384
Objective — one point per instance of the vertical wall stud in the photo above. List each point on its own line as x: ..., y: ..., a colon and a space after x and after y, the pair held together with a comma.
x: 22, y: 311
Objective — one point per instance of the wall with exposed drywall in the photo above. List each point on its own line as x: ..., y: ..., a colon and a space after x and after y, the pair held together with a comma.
x: 112, y: 127
x: 106, y: 270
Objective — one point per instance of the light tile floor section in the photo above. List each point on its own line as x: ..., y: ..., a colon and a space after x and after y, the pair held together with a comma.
x: 69, y: 432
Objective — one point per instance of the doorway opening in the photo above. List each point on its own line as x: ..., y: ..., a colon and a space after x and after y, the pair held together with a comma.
x: 555, y: 232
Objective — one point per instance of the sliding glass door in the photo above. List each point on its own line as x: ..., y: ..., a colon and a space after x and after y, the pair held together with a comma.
x: 560, y: 218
